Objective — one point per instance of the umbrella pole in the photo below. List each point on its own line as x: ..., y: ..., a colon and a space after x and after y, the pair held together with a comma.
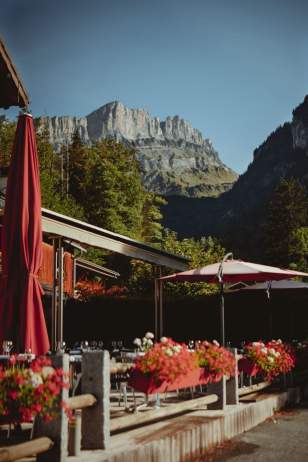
x: 270, y: 312
x: 222, y: 315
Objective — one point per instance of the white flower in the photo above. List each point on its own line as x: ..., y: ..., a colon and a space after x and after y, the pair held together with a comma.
x: 35, y: 379
x: 137, y: 342
x: 149, y: 335
x: 255, y: 343
x: 177, y: 348
x: 46, y: 371
x: 164, y: 339
x: 271, y: 359
x: 216, y: 343
x: 149, y: 342
x: 272, y: 351
x: 279, y: 340
x: 277, y: 354
x: 169, y: 352
x: 264, y: 350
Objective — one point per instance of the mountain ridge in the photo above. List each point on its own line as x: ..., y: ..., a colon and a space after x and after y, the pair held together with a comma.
x: 238, y: 215
x: 174, y: 157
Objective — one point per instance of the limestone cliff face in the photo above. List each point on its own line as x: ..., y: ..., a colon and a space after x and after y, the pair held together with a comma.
x: 62, y: 129
x: 174, y: 157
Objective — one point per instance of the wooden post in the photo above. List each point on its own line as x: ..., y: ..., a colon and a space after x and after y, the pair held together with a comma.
x: 57, y: 429
x: 96, y: 419
x: 28, y: 449
x: 232, y: 383
x: 219, y: 389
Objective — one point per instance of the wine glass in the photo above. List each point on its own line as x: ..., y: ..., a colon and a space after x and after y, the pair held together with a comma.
x: 7, y: 346
x: 191, y: 344
x: 84, y: 345
x: 120, y: 344
x: 100, y: 345
x: 114, y: 344
x: 93, y: 345
x: 61, y: 346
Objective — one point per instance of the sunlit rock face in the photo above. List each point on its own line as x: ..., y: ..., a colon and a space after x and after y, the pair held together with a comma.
x: 61, y: 129
x: 174, y: 157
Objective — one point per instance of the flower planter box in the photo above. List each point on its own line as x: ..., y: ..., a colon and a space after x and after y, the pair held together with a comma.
x: 149, y: 384
x: 248, y: 367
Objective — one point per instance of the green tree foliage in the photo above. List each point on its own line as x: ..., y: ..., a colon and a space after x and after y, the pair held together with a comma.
x: 105, y: 180
x: 285, y: 232
x: 53, y: 196
x: 7, y: 133
x: 200, y: 252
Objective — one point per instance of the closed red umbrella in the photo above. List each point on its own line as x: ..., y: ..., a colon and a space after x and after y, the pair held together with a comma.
x: 21, y: 311
x: 232, y: 271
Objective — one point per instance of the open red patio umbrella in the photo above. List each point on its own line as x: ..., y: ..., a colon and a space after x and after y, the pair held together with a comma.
x: 232, y: 271
x: 21, y: 311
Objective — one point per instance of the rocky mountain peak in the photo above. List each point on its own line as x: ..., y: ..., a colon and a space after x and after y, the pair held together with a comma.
x: 174, y: 157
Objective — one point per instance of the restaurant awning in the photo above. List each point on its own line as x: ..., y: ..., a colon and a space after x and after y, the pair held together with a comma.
x: 12, y: 90
x: 56, y: 224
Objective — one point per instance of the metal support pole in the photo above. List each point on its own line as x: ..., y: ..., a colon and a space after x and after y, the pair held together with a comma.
x: 220, y: 278
x: 161, y: 313
x: 60, y: 291
x: 156, y: 282
x: 54, y: 309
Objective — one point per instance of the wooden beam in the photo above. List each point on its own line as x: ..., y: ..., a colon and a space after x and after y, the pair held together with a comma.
x: 21, y: 99
x: 144, y: 417
x: 30, y: 448
x: 81, y: 401
x: 253, y: 388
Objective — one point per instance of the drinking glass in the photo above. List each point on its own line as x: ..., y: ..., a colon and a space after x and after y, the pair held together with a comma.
x: 84, y: 345
x: 61, y: 346
x: 7, y: 346
x: 93, y: 345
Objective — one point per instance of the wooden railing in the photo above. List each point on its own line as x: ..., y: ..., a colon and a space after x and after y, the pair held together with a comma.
x: 91, y: 423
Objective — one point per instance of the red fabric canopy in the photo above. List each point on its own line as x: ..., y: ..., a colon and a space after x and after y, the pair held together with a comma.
x: 235, y: 271
x: 21, y: 311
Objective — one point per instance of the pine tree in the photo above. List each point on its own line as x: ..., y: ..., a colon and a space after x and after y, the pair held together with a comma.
x: 287, y: 213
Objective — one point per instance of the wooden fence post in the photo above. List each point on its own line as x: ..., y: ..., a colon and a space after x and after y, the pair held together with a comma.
x: 96, y: 419
x: 232, y: 383
x: 219, y: 389
x: 57, y: 429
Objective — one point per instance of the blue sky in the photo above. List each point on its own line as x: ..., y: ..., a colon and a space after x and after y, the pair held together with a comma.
x: 234, y: 69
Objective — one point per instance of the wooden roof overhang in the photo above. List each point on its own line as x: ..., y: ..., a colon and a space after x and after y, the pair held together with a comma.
x: 56, y: 224
x: 12, y: 90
